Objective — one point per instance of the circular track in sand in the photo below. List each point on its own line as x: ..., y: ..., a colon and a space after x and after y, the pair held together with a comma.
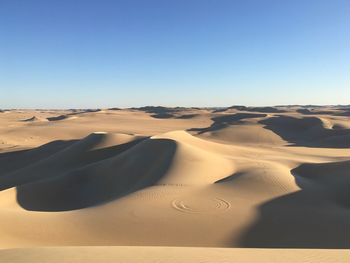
x: 201, y: 205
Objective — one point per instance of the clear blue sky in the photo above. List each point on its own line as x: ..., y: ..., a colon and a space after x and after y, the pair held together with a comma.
x: 83, y: 53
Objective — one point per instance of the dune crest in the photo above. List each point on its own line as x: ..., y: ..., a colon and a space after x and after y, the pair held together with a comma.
x: 34, y: 119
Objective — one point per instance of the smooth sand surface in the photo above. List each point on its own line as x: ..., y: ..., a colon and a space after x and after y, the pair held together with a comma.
x: 171, y: 255
x: 236, y: 177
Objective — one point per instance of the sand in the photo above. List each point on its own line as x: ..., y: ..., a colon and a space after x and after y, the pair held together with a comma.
x: 171, y: 254
x: 238, y: 183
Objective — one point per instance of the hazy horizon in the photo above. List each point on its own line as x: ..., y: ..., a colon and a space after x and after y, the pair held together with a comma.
x: 89, y: 54
x: 166, y: 106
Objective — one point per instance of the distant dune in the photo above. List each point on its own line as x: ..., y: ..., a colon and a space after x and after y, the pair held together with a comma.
x: 175, y: 184
x: 33, y: 119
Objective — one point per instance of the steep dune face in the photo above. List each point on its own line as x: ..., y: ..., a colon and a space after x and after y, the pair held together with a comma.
x: 201, y: 177
x: 308, y: 131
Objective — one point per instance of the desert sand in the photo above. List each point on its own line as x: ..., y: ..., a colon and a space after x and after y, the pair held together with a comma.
x: 157, y: 184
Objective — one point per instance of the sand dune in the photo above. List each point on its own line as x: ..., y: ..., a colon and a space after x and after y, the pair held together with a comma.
x: 78, y: 154
x: 62, y: 117
x: 239, y: 128
x: 252, y: 109
x: 235, y: 177
x: 308, y: 131
x: 34, y: 118
x: 65, y: 180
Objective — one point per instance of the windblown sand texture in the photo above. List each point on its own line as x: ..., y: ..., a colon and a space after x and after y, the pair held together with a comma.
x: 168, y: 183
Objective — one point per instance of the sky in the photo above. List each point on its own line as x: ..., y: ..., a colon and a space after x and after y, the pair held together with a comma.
x: 124, y: 53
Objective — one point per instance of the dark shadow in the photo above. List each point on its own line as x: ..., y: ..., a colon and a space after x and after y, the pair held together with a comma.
x: 223, y: 121
x: 91, y: 110
x: 54, y: 159
x: 265, y: 109
x: 58, y: 118
x: 345, y: 108
x: 219, y: 110
x: 313, y: 112
x: 174, y: 116
x: 11, y: 161
x: 160, y: 112
x: 307, y: 131
x: 34, y: 118
x: 73, y: 113
x: 163, y: 116
x: 310, y: 218
x: 334, y: 178
x: 252, y: 109
x: 114, y: 176
x: 159, y: 109
x: 344, y: 113
x: 230, y: 178
x: 187, y: 116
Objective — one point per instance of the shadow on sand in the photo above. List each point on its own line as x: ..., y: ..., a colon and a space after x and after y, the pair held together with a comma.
x: 317, y: 216
x: 220, y: 122
x: 307, y: 132
x: 51, y: 182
